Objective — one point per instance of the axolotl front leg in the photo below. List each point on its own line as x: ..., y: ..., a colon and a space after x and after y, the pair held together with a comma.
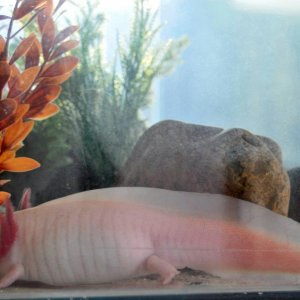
x: 14, y: 273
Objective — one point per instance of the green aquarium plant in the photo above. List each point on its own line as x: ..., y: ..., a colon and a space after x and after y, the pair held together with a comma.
x: 108, y: 98
x: 102, y: 103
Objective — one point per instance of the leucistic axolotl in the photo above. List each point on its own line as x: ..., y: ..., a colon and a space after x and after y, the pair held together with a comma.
x: 120, y: 233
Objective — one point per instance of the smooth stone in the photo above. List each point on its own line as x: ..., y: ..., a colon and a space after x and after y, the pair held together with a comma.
x: 187, y: 157
x: 294, y: 209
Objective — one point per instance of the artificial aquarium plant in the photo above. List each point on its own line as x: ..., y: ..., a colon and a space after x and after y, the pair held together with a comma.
x: 32, y: 68
x: 103, y: 102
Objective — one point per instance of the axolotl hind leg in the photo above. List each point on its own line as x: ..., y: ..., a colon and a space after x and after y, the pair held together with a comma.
x: 167, y: 271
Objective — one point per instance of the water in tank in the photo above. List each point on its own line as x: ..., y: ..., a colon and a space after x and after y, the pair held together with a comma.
x: 149, y: 149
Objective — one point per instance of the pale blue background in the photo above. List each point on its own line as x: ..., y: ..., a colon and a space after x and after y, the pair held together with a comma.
x: 242, y: 69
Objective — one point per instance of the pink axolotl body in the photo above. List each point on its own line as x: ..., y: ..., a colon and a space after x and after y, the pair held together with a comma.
x: 120, y: 233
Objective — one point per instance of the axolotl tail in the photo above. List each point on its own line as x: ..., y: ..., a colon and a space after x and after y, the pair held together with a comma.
x: 228, y: 249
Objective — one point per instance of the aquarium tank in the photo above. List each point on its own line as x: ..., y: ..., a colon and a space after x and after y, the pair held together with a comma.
x: 148, y: 149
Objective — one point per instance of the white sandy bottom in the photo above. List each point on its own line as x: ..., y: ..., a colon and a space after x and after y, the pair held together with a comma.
x: 186, y: 283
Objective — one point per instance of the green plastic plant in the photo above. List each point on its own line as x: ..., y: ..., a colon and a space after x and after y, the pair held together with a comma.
x: 102, y: 102
x: 115, y: 94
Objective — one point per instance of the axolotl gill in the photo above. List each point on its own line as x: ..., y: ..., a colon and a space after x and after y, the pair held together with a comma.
x: 125, y: 232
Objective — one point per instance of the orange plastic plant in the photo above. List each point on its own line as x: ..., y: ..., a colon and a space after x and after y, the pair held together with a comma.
x: 27, y: 92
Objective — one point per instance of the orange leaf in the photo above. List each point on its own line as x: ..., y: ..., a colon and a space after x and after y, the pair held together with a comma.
x: 19, y: 164
x: 26, y: 129
x: 63, y: 48
x: 7, y: 155
x: 56, y: 80
x: 45, y: 14
x: 14, y: 75
x: 48, y: 36
x: 43, y: 95
x: 10, y: 134
x: 21, y: 111
x: 16, y: 133
x: 49, y: 111
x: 22, y: 48
x: 4, y: 196
x: 8, y: 109
x: 61, y: 66
x: 27, y: 6
x: 2, y: 44
x: 24, y: 82
x: 32, y: 57
x: 14, y: 113
x: 4, y: 74
x: 1, y: 139
x: 62, y: 35
x: 34, y: 110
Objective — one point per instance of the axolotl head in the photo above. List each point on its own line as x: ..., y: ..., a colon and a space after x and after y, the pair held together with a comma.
x: 10, y: 255
x: 8, y: 237
x: 8, y: 224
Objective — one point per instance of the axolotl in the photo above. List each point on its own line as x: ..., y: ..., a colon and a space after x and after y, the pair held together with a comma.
x: 125, y: 232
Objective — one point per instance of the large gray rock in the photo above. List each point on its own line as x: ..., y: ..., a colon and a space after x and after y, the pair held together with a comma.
x: 179, y: 156
x: 294, y: 209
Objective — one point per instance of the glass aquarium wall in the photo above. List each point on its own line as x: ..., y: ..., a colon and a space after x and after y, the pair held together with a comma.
x: 167, y: 134
x: 241, y: 68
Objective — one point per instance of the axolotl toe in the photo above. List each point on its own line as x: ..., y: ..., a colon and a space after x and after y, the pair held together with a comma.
x: 120, y: 233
